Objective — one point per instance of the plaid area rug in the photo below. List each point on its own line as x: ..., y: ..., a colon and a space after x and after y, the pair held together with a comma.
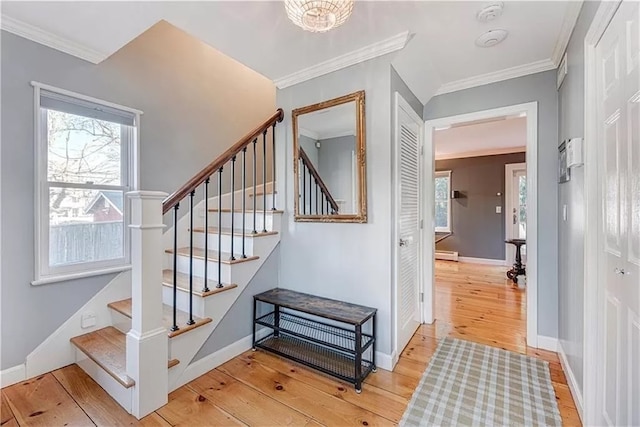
x: 473, y: 384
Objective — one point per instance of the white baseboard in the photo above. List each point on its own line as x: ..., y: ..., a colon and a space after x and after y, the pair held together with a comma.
x: 486, y: 261
x: 447, y: 255
x: 571, y: 379
x: 386, y: 361
x: 13, y: 375
x: 547, y: 343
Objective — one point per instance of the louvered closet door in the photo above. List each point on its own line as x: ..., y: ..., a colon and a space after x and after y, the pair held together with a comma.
x: 618, y: 56
x: 408, y: 305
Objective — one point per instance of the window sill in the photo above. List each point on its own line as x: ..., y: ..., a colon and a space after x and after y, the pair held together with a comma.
x: 80, y: 275
x: 443, y: 230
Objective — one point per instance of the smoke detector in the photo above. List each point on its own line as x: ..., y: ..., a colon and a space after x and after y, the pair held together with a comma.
x: 490, y: 12
x: 491, y: 38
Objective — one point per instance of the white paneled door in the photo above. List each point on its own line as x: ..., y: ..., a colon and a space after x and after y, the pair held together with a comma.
x: 618, y: 103
x: 409, y: 129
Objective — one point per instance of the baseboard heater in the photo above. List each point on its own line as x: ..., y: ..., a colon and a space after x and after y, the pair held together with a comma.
x: 447, y: 255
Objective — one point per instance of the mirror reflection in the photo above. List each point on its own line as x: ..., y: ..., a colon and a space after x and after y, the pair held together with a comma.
x: 329, y: 169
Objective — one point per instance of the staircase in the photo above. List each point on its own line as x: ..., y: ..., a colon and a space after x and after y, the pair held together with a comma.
x: 186, y: 279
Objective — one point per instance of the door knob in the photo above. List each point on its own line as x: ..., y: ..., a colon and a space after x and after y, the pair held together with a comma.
x: 403, y: 242
x: 621, y: 271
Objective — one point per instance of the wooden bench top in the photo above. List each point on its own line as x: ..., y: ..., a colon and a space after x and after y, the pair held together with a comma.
x: 340, y: 311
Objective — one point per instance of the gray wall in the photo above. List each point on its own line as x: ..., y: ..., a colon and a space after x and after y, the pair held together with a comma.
x: 336, y: 169
x: 398, y: 85
x: 350, y: 262
x: 309, y: 147
x: 571, y: 194
x: 478, y: 231
x: 237, y: 322
x: 539, y: 87
x: 196, y: 103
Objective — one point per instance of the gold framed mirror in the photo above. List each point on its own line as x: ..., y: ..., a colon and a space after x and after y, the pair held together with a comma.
x: 329, y: 161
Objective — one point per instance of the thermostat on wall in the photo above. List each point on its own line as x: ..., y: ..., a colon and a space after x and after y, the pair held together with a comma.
x: 574, y: 153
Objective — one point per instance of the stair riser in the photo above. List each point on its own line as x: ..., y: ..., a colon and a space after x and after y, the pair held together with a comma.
x: 226, y: 197
x: 198, y: 268
x: 225, y: 239
x: 185, y: 346
x: 121, y: 394
x: 183, y: 301
x: 260, y: 203
x: 272, y: 223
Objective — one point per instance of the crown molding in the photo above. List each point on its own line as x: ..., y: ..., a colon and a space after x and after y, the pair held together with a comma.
x: 371, y: 51
x: 480, y: 153
x: 569, y: 22
x: 308, y: 133
x: 51, y: 40
x: 497, y: 76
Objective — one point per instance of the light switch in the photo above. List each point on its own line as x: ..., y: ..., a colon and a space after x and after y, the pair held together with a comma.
x: 498, y: 209
x: 88, y: 320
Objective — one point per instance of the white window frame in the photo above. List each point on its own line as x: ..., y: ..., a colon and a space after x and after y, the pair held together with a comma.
x: 445, y: 174
x: 130, y: 178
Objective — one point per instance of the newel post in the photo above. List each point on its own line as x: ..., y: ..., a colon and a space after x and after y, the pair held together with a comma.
x: 147, y: 342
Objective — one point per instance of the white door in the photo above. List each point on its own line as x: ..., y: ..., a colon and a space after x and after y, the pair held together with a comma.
x: 407, y: 301
x: 618, y: 91
x: 515, y: 208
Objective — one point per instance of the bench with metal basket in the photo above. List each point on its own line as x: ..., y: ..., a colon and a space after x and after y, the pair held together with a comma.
x: 317, y: 332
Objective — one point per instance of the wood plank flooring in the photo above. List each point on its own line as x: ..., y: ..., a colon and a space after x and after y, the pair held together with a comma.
x: 474, y: 302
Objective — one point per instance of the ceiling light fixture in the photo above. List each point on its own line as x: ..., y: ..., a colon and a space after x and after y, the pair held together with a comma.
x: 491, y: 38
x: 318, y: 16
x: 490, y: 12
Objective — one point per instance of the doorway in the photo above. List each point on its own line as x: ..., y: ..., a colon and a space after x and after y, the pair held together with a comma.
x: 515, y: 196
x: 529, y: 111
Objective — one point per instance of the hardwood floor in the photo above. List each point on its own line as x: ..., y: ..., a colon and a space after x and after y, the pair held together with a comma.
x: 474, y: 302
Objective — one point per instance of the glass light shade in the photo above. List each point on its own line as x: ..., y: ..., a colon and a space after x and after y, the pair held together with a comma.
x: 318, y: 16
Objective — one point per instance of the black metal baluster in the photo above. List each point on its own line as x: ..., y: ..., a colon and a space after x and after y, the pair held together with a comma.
x: 264, y: 181
x: 304, y: 189
x: 244, y: 198
x: 219, y: 285
x: 205, y: 288
x: 273, y: 178
x: 191, y: 321
x: 322, y: 202
x: 255, y: 178
x: 317, y: 197
x: 310, y: 192
x: 175, y: 327
x: 233, y: 203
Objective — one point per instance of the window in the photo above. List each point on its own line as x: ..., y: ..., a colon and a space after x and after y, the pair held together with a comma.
x: 85, y: 152
x: 443, y: 201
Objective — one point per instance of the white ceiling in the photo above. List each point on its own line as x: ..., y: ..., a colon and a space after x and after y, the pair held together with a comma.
x: 495, y: 137
x: 330, y: 122
x: 259, y: 35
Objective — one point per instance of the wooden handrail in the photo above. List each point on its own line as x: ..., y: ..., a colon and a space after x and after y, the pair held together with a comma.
x: 323, y: 188
x: 175, y: 198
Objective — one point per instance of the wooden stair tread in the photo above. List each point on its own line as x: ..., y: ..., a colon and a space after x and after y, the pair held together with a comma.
x: 124, y: 307
x: 261, y: 193
x: 107, y: 348
x: 248, y: 210
x: 198, y: 282
x: 235, y: 232
x: 214, y: 256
